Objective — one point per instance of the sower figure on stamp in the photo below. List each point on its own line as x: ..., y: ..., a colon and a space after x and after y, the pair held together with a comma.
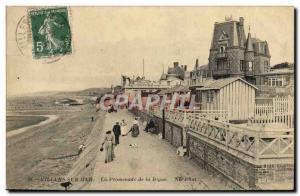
x: 117, y: 132
x: 47, y: 29
x: 108, y: 145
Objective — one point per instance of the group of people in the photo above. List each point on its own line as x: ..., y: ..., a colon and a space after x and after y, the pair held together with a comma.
x: 112, y: 138
x: 112, y: 109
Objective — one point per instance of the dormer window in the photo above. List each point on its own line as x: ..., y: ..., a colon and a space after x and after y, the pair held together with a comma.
x: 222, y: 50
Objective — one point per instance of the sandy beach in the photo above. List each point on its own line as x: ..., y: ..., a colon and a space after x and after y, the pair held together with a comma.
x: 48, y: 148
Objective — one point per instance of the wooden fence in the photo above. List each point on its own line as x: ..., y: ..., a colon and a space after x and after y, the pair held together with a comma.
x: 220, y: 115
x: 280, y: 111
x: 182, y: 116
x: 247, y: 142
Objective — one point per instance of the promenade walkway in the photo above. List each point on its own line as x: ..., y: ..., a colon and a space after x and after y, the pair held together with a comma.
x: 152, y: 165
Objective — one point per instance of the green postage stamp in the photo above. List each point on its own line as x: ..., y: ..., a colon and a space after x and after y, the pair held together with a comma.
x: 51, y: 33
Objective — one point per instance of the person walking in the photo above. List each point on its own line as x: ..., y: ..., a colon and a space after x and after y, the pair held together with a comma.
x: 108, y: 145
x: 123, y: 128
x: 117, y: 132
x: 81, y: 148
x: 135, y: 130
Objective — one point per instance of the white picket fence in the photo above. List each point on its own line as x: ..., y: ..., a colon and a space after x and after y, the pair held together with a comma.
x: 221, y: 115
x: 281, y: 110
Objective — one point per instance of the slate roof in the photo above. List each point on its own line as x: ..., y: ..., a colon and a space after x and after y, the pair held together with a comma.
x: 165, y: 91
x: 231, y: 30
x: 220, y: 83
x: 249, y: 45
x: 178, y: 88
x: 277, y: 72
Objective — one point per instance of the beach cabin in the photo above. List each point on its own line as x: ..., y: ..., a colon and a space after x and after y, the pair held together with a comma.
x: 234, y: 95
x: 176, y: 90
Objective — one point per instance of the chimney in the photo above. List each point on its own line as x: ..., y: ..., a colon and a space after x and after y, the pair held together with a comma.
x: 197, y: 65
x: 241, y: 21
x: 176, y: 64
x: 185, y: 67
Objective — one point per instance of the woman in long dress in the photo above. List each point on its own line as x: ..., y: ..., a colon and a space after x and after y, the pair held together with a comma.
x: 108, y: 144
x: 135, y: 130
x: 123, y: 128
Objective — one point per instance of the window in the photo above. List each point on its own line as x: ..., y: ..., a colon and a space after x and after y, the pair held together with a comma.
x: 250, y: 66
x: 227, y: 64
x: 198, y: 97
x: 219, y: 65
x: 276, y: 81
x: 222, y: 49
x: 266, y: 66
x: 279, y: 83
x: 222, y: 64
x: 266, y: 49
x: 209, y: 96
x: 242, y: 65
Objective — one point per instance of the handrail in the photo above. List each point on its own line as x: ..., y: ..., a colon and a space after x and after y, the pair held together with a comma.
x: 254, y: 143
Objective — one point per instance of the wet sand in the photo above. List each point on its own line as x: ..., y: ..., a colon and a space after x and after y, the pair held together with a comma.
x: 49, y: 119
x: 14, y: 122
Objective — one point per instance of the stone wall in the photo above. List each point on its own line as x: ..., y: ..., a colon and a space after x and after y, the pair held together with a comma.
x: 82, y: 170
x: 173, y: 132
x: 245, y: 174
x: 235, y: 55
x: 260, y: 63
x: 267, y: 173
x: 213, y: 158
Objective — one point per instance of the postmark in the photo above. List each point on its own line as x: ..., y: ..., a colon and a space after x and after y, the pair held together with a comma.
x: 51, y: 33
x: 23, y: 36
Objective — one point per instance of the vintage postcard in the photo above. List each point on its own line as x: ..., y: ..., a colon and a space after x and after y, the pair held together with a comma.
x: 150, y: 98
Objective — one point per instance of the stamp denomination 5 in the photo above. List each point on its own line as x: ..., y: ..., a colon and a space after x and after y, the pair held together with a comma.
x: 51, y: 34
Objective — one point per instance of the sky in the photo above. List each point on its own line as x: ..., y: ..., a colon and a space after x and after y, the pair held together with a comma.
x: 111, y: 41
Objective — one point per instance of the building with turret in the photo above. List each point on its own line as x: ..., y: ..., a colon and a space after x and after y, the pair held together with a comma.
x: 175, y: 75
x: 232, y: 54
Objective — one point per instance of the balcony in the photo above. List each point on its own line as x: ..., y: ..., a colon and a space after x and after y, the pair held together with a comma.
x: 249, y: 73
x: 221, y: 72
x: 222, y: 55
x: 195, y: 83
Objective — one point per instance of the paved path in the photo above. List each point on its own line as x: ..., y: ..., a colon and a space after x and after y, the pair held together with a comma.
x: 153, y: 165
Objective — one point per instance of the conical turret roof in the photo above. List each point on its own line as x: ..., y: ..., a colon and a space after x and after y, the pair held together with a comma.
x: 249, y: 45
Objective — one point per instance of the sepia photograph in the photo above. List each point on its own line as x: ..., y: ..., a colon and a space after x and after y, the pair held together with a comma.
x: 150, y: 98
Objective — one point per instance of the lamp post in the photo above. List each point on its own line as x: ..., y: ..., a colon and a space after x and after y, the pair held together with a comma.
x: 164, y: 122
